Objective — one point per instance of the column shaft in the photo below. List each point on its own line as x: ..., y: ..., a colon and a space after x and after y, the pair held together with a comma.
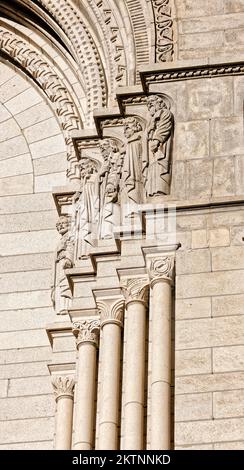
x: 64, y: 420
x: 135, y: 375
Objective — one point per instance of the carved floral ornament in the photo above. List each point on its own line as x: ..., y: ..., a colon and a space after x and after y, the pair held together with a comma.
x: 135, y: 290
x: 86, y: 331
x: 111, y: 311
x: 162, y: 269
x: 63, y: 387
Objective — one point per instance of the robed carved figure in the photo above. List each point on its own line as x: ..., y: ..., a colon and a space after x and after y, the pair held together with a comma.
x: 61, y: 293
x: 157, y: 166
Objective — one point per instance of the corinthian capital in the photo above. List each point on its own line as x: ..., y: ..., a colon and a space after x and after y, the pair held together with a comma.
x: 135, y: 290
x: 162, y: 269
x: 86, y: 331
x: 111, y: 311
x: 63, y: 387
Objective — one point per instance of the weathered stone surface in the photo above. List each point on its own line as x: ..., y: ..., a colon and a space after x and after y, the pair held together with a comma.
x: 222, y: 258
x: 201, y: 40
x: 24, y: 339
x: 27, y: 407
x: 42, y: 445
x: 219, y: 237
x: 237, y: 235
x: 229, y: 446
x: 193, y: 407
x: 196, y: 261
x: 192, y: 140
x: 42, y: 130
x: 16, y: 185
x: 37, y: 354
x: 48, y: 146
x: 27, y: 430
x: 13, y: 147
x: 199, y: 239
x: 42, y: 220
x: 3, y: 388
x: 209, y: 431
x: 228, y: 404
x: 209, y: 23
x: 46, y: 183
x: 228, y: 305
x: 22, y: 203
x: 12, y: 320
x: 199, y: 178
x: 53, y: 164
x: 227, y: 136
x: 193, y: 308
x: 197, y: 361
x: 209, y: 382
x: 189, y: 8
x: 23, y: 300
x: 38, y: 113
x: 19, y: 165
x: 30, y: 242
x: 8, y: 371
x: 205, y: 284
x: 12, y: 87
x: 22, y: 101
x: 224, y: 177
x: 25, y: 281
x: 228, y: 358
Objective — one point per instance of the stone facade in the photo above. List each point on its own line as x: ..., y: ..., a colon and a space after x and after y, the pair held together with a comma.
x: 122, y: 127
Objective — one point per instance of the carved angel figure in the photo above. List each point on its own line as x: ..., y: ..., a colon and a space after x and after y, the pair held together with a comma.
x: 132, y: 185
x: 61, y: 293
x: 157, y: 166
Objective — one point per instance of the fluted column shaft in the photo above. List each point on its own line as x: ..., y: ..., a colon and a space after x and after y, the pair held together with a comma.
x: 136, y: 304
x: 111, y: 323
x: 64, y: 394
x: 86, y: 333
x: 161, y: 273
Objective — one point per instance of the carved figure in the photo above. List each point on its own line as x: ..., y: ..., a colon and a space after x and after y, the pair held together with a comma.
x: 61, y: 293
x: 157, y: 165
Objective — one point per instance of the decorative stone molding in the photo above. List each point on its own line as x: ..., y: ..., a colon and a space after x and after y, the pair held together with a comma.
x: 45, y: 76
x: 69, y: 18
x: 86, y: 331
x: 137, y: 16
x: 63, y: 387
x: 164, y: 30
x: 189, y: 73
x: 135, y: 290
x: 111, y: 311
x: 162, y: 269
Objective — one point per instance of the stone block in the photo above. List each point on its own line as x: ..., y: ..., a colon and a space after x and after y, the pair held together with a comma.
x: 29, y: 369
x: 22, y: 203
x: 22, y: 184
x: 199, y: 178
x: 209, y: 332
x: 14, y: 356
x: 23, y: 339
x: 19, y: 165
x: 46, y: 183
x: 229, y: 445
x: 64, y: 343
x: 212, y: 23
x: 6, y: 73
x: 228, y: 258
x: 23, y: 101
x: 33, y: 262
x: 224, y: 177
x: 27, y: 430
x: 4, y: 114
x: 239, y: 172
x: 210, y: 284
x: 13, y: 87
x: 42, y: 130
x: 13, y: 147
x: 53, y: 164
x: 43, y: 445
x: 228, y: 404
x: 237, y: 235
x: 27, y: 407
x: 209, y: 382
x: 3, y: 388
x: 234, y: 36
x: 201, y: 40
x: 193, y: 308
x: 233, y: 6
x: 195, y: 261
x: 209, y: 431
x: 196, y: 361
x: 191, y: 9
x: 199, y: 239
x: 48, y: 146
x: 192, y: 140
x: 191, y: 222
x: 24, y: 300
x: 28, y: 242
x: 9, y: 129
x: 193, y: 407
x: 28, y: 222
x: 178, y: 185
x: 234, y: 216
x: 228, y: 358
x: 12, y: 320
x: 25, y: 281
x: 32, y: 116
x: 227, y: 136
x: 219, y: 237
x: 228, y: 305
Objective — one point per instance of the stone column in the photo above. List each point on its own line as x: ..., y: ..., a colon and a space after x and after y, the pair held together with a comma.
x: 161, y: 276
x: 111, y: 323
x: 64, y: 396
x: 135, y: 292
x: 86, y: 333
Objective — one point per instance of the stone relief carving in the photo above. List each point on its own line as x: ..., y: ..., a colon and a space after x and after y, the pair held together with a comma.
x: 61, y: 293
x: 135, y: 289
x: 86, y: 331
x: 111, y: 311
x: 157, y: 166
x: 164, y: 30
x: 162, y: 268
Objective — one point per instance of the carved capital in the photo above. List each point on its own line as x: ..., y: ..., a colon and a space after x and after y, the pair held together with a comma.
x: 135, y: 290
x: 63, y: 387
x: 162, y: 269
x: 111, y: 311
x: 86, y: 331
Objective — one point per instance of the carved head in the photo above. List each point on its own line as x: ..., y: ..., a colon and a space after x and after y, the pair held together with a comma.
x: 63, y: 224
x: 88, y: 167
x: 131, y: 126
x: 107, y: 146
x: 155, y: 103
